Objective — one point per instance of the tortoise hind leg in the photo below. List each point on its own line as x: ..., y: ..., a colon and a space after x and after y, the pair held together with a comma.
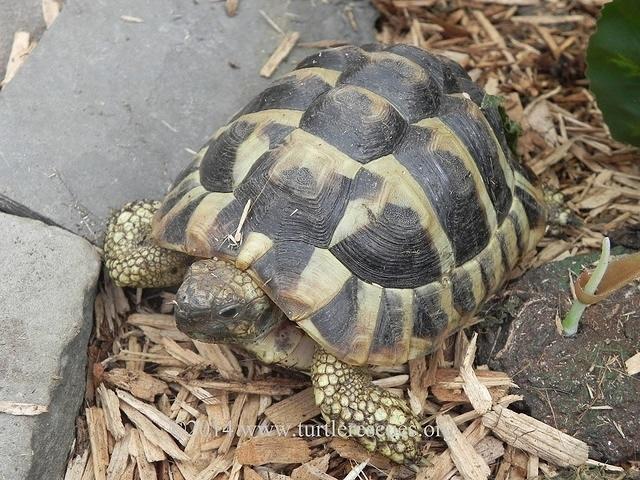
x: 355, y: 407
x: 131, y: 259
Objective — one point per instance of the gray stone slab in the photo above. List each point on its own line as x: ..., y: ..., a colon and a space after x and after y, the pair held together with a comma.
x: 47, y: 282
x: 18, y: 15
x: 104, y: 109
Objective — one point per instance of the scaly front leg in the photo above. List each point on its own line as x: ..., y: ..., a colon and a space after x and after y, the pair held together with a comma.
x: 130, y: 256
x: 355, y: 407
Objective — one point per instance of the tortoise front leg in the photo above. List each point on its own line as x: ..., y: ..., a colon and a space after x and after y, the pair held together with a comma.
x: 130, y: 256
x: 355, y: 407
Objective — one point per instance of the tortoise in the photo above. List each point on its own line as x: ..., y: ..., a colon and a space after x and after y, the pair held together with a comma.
x: 356, y: 212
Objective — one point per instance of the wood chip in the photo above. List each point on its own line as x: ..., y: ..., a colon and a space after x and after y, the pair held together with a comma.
x: 256, y: 387
x: 20, y: 49
x: 231, y: 7
x: 77, y: 465
x: 633, y: 364
x: 218, y: 465
x: 477, y: 393
x: 293, y: 410
x: 158, y: 437
x: 280, y: 53
x: 99, y: 442
x: 146, y: 470
x: 263, y: 450
x: 533, y: 436
x: 419, y: 388
x: 547, y: 19
x: 182, y: 354
x: 119, y: 458
x: 140, y: 384
x: 156, y: 416
x: 442, y: 465
x: 449, y: 385
x: 200, y: 434
x: 533, y: 464
x: 250, y: 474
x: 22, y: 409
x: 131, y: 19
x: 350, y: 449
x: 221, y: 358
x: 315, y: 469
x: 271, y: 23
x: 232, y: 426
x: 111, y: 408
x: 489, y: 28
x: 50, y: 11
x: 468, y: 462
x: 248, y: 420
x: 152, y: 452
x: 218, y: 412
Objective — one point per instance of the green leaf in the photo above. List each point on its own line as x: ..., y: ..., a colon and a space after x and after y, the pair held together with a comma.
x: 512, y: 129
x: 613, y: 68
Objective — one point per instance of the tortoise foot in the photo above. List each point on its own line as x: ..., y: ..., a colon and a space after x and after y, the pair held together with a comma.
x: 131, y: 258
x: 355, y: 407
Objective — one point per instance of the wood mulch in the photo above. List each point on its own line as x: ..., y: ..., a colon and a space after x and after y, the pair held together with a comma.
x: 162, y: 406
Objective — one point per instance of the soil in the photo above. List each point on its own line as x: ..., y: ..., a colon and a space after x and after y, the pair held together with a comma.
x: 579, y: 384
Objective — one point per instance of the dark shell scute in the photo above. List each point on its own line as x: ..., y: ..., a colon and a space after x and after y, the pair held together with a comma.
x: 478, y: 139
x: 463, y: 299
x: 344, y: 306
x: 188, y: 170
x: 355, y: 122
x: 535, y: 212
x: 429, y: 62
x: 451, y: 190
x: 390, y: 325
x: 177, y: 190
x: 456, y: 80
x: 290, y: 93
x: 281, y: 267
x: 407, y: 86
x: 293, y: 205
x: 429, y: 318
x: 277, y: 133
x: 176, y: 229
x: 519, y: 229
x: 216, y: 169
x: 393, y: 251
x: 333, y: 59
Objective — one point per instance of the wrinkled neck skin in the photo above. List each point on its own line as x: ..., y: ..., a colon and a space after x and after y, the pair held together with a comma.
x: 218, y: 303
x: 286, y: 345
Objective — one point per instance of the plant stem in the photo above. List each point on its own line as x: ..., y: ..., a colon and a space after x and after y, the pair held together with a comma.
x: 571, y: 321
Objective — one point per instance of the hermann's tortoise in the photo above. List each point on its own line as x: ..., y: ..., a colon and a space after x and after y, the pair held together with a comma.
x: 366, y: 204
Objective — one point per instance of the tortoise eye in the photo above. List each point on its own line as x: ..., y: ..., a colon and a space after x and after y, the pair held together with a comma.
x: 228, y: 312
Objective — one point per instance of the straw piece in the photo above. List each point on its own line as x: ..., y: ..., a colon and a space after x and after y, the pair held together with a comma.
x: 280, y: 53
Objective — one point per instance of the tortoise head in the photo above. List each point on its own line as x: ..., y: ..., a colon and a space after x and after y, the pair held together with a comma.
x: 219, y: 303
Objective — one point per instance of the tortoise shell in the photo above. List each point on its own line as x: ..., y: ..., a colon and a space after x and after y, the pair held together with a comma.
x: 372, y: 195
